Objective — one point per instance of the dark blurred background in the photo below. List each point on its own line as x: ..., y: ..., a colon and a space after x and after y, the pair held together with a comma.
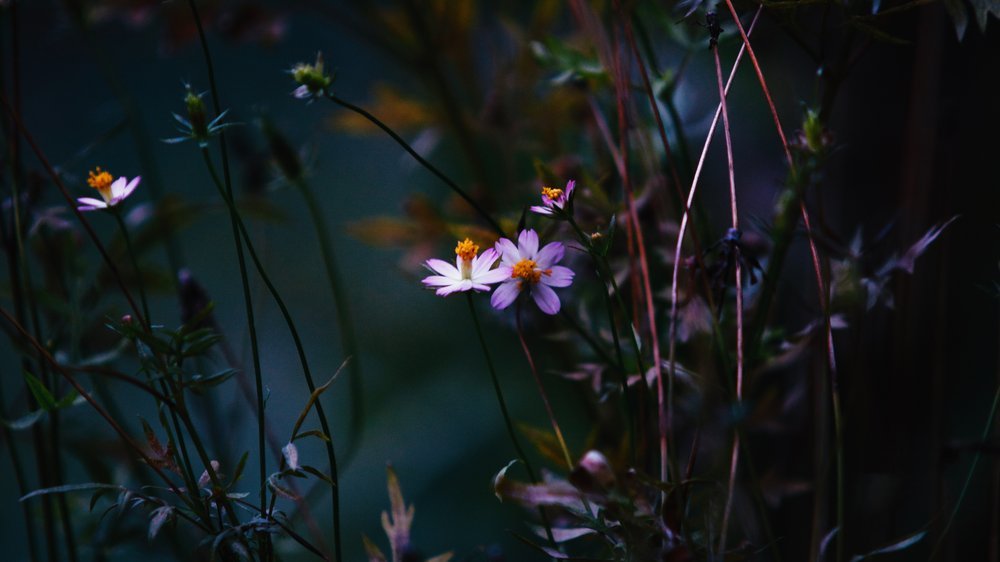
x: 914, y: 123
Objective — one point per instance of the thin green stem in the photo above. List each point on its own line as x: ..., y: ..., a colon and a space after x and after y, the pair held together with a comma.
x: 430, y: 167
x: 116, y: 212
x: 345, y: 319
x: 987, y: 428
x: 248, y: 301
x: 541, y: 391
x: 306, y: 371
x: 506, y: 414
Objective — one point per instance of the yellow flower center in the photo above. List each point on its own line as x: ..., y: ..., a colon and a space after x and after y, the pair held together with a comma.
x: 101, y: 180
x: 525, y: 270
x: 466, y: 250
x: 552, y: 192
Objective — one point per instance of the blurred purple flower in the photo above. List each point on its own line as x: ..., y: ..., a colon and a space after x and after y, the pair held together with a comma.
x: 554, y: 199
x: 526, y: 267
x: 470, y: 272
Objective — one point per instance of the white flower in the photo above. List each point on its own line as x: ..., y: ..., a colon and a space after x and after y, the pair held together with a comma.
x: 470, y: 272
x: 112, y: 192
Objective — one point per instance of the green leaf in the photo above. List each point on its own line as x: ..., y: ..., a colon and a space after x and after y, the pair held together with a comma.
x: 313, y: 398
x: 238, y: 473
x: 200, y: 383
x: 318, y: 474
x: 312, y: 433
x: 42, y: 395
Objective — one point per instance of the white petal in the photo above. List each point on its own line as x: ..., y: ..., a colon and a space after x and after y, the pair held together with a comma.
x: 461, y: 286
x: 118, y: 187
x: 444, y: 268
x: 527, y: 243
x: 130, y: 188
x: 91, y: 202
x: 501, y: 273
x: 541, y: 210
x: 483, y: 262
x: 438, y: 281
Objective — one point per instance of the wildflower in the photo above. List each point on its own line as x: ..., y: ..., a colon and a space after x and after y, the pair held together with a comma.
x: 554, y: 199
x: 470, y: 272
x: 311, y: 78
x: 113, y: 192
x: 527, y: 267
x: 197, y: 127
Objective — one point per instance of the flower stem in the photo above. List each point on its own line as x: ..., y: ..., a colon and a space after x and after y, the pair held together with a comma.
x: 116, y: 212
x: 306, y: 372
x: 247, y: 299
x: 348, y: 336
x: 541, y: 390
x: 506, y: 415
x: 430, y: 167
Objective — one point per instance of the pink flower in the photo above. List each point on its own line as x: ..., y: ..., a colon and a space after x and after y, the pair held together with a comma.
x: 525, y: 267
x: 554, y: 199
x: 470, y: 272
x: 112, y: 192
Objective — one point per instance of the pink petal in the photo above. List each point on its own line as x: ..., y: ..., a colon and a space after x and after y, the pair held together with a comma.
x: 570, y: 186
x: 130, y: 188
x: 550, y: 254
x: 560, y: 277
x: 444, y: 268
x: 527, y: 243
x: 505, y: 294
x: 541, y: 210
x: 545, y: 298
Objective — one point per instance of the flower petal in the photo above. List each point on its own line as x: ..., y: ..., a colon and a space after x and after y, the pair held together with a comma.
x: 509, y: 254
x: 545, y: 298
x: 461, y: 286
x: 483, y: 262
x: 501, y: 273
x: 505, y: 294
x: 541, y: 210
x: 444, y: 268
x: 527, y: 243
x: 130, y: 188
x: 560, y: 277
x: 437, y: 281
x: 552, y: 253
x: 570, y: 186
x: 91, y: 202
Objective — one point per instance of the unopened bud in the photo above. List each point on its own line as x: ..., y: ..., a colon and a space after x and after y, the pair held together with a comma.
x: 196, y: 114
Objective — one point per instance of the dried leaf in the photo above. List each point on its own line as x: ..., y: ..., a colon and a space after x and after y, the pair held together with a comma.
x: 158, y: 517
x: 397, y: 528
x: 291, y: 453
x: 373, y: 552
x: 544, y: 441
x: 906, y: 262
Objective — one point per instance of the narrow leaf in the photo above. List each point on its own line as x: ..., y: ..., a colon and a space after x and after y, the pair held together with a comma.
x: 158, y: 517
x: 42, y: 395
x: 72, y: 488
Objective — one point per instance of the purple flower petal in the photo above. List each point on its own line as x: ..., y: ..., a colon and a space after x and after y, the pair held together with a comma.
x: 505, y: 294
x: 552, y: 253
x: 91, y: 202
x: 509, y: 254
x: 527, y: 244
x: 541, y: 210
x: 130, y: 188
x: 483, y: 262
x: 570, y: 186
x: 560, y: 277
x: 545, y: 298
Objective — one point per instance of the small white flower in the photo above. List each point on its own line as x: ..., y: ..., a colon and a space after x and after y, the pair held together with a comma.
x: 112, y: 192
x: 470, y: 272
